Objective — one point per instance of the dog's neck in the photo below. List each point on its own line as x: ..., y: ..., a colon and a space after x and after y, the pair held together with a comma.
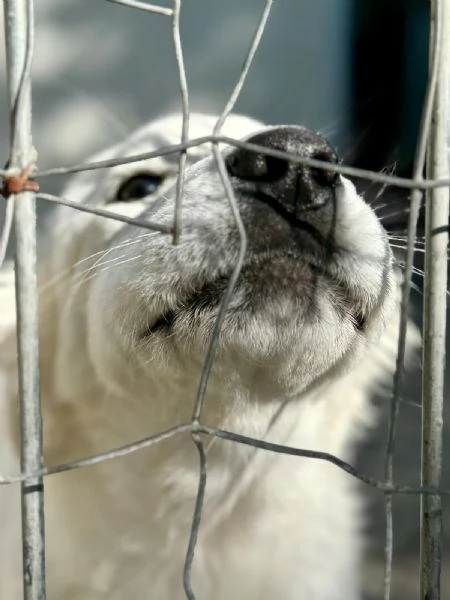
x: 146, y: 499
x: 82, y: 416
x: 103, y: 418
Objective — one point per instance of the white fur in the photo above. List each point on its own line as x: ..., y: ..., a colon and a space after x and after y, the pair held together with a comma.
x: 274, y: 527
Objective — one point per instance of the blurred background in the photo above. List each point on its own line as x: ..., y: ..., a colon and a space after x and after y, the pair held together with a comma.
x: 354, y: 70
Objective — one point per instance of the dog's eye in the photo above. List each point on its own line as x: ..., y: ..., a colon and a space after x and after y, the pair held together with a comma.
x: 138, y: 186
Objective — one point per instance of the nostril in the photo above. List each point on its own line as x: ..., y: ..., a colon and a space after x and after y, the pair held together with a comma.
x: 322, y: 176
x: 246, y: 165
x: 276, y: 169
x: 253, y: 166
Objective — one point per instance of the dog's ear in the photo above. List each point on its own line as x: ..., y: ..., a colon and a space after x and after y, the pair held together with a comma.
x: 391, y: 205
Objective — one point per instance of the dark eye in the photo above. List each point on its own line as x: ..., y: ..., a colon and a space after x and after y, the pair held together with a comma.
x: 138, y: 186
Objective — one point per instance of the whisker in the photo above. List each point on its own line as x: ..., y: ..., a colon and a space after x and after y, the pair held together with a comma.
x: 416, y: 288
x: 80, y: 277
x: 389, y: 170
x: 404, y: 248
x: 404, y: 238
x: 394, y: 214
x: 51, y: 283
x: 102, y: 270
x: 416, y: 271
x: 379, y: 207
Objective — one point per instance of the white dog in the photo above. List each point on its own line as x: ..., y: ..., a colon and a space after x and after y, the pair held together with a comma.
x: 125, y: 321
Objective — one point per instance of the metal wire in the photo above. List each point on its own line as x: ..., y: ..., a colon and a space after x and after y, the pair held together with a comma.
x: 196, y: 518
x: 195, y: 428
x: 434, y: 313
x: 19, y: 19
x: 175, y: 14
x: 105, y: 214
x: 413, y: 219
x: 153, y: 8
x: 373, y: 176
x: 212, y: 348
x: 214, y: 341
x: 184, y: 96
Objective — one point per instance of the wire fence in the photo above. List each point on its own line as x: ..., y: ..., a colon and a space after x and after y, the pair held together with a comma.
x: 20, y: 214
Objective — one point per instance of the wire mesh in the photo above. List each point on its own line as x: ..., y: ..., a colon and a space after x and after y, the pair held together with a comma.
x: 435, y: 310
x: 19, y: 36
x: 19, y: 45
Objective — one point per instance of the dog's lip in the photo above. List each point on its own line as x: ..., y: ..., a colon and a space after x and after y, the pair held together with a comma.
x: 205, y: 295
x: 359, y: 319
x: 162, y: 324
x: 210, y: 294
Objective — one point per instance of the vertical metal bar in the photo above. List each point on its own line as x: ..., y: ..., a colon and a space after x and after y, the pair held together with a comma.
x: 225, y: 301
x: 435, y: 308
x: 415, y: 204
x: 178, y: 47
x: 19, y: 48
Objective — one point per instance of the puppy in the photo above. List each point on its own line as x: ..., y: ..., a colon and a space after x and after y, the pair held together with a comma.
x: 125, y: 319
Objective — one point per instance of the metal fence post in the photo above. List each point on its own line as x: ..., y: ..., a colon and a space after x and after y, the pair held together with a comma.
x: 435, y: 308
x: 19, y: 47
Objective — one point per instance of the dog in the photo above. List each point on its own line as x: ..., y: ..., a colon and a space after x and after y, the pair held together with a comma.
x: 125, y: 320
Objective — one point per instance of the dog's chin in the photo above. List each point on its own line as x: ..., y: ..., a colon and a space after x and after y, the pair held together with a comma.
x: 264, y: 291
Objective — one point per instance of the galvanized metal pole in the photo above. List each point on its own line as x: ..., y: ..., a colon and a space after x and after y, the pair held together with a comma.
x: 19, y: 47
x: 435, y: 309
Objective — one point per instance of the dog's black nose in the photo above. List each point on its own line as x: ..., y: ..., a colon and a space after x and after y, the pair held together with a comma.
x: 289, y: 185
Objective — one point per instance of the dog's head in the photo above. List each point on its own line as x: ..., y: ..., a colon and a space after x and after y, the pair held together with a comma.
x: 314, y: 288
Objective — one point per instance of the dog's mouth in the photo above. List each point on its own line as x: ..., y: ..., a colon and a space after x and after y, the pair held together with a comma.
x: 203, y: 298
x: 163, y: 324
x: 206, y: 298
